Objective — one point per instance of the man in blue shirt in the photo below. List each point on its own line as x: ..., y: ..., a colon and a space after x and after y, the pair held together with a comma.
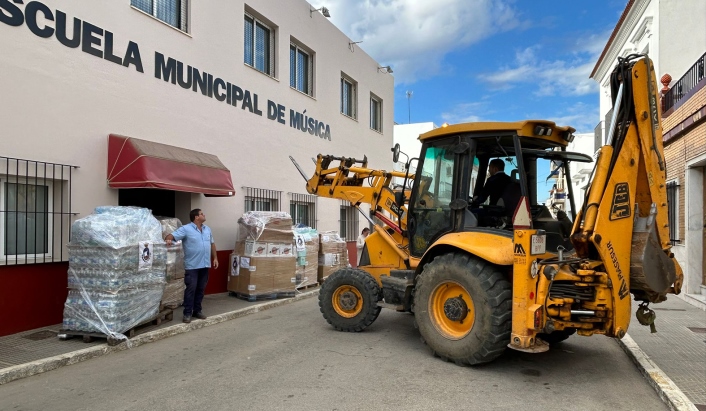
x: 199, y: 254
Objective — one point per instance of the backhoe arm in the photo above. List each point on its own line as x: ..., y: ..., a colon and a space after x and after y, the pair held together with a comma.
x: 624, y: 222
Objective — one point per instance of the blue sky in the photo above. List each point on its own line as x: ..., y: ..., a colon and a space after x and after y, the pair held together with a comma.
x: 484, y: 60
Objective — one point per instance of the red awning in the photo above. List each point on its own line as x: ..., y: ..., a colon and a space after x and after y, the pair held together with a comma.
x: 135, y: 163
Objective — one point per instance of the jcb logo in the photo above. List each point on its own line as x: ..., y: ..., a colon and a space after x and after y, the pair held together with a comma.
x: 621, y: 202
x: 519, y: 249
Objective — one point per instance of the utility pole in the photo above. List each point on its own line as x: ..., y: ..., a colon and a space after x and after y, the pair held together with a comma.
x: 409, y: 109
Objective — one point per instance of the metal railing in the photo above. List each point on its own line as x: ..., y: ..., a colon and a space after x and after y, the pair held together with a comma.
x: 686, y: 83
x: 302, y: 208
x: 35, y: 211
x: 261, y: 199
x: 673, y: 211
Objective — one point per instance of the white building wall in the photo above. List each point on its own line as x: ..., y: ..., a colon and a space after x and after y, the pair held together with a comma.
x: 672, y: 32
x: 581, y: 172
x: 59, y: 104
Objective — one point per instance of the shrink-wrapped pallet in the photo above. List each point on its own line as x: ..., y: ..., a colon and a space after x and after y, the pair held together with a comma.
x: 174, y: 293
x: 333, y: 254
x: 117, y: 266
x: 263, y: 262
x: 306, y: 249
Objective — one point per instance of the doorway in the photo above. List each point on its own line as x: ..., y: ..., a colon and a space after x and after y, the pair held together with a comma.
x: 161, y: 202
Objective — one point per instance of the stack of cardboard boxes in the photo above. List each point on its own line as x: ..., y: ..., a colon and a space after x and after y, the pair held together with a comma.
x: 174, y: 291
x: 263, y: 261
x: 333, y: 254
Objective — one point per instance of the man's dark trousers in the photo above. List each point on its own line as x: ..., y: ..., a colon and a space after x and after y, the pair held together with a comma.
x: 195, y: 281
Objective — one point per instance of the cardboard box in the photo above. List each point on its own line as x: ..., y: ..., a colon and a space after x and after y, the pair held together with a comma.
x: 333, y: 254
x: 261, y: 275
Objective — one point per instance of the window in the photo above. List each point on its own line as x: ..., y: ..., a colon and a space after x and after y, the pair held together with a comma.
x: 673, y: 210
x: 303, y: 209
x: 259, y: 45
x: 259, y: 199
x: 172, y: 12
x: 35, y: 215
x: 375, y: 113
x: 301, y: 64
x: 348, y: 96
x: 349, y: 221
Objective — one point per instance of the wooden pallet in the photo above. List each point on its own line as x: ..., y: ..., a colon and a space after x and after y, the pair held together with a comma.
x: 170, y: 306
x: 307, y: 286
x: 264, y: 296
x: 164, y: 315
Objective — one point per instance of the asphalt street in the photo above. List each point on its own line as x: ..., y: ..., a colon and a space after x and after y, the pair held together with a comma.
x: 289, y: 358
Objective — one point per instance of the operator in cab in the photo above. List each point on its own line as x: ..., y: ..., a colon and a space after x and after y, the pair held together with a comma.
x: 495, y: 185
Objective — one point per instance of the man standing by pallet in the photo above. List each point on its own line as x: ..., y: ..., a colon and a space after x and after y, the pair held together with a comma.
x: 198, y: 246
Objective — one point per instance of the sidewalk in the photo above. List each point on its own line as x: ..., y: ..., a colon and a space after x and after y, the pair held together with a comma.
x: 35, y: 351
x: 673, y: 360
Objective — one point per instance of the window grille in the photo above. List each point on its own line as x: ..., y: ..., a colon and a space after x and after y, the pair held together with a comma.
x: 302, y: 208
x: 375, y: 113
x: 349, y: 222
x: 260, y: 199
x: 348, y: 97
x: 172, y: 12
x: 301, y: 65
x: 35, y: 211
x: 673, y: 211
x: 259, y: 45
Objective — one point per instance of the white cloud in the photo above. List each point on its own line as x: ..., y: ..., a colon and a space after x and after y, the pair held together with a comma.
x: 466, y: 113
x: 413, y: 36
x: 580, y: 116
x: 552, y: 77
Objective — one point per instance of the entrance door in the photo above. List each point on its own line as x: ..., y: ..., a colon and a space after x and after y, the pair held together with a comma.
x: 161, y: 202
x: 430, y: 204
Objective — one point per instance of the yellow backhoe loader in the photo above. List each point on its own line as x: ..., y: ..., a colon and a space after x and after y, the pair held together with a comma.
x: 483, y: 276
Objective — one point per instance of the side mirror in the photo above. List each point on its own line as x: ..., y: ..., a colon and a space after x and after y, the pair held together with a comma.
x: 395, y: 153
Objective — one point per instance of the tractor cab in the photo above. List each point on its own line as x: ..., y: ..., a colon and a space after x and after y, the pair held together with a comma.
x: 471, y: 177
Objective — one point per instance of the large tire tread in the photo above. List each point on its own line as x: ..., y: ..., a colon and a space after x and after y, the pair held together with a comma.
x: 366, y: 285
x: 496, y: 290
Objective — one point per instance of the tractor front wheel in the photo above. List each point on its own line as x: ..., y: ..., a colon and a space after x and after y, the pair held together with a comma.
x: 348, y: 299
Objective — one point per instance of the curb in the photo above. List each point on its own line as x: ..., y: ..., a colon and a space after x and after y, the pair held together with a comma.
x: 47, y: 364
x: 665, y: 387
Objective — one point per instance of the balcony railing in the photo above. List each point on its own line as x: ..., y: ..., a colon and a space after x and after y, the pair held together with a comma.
x: 680, y: 89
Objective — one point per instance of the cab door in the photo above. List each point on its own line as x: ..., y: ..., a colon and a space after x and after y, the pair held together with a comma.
x: 436, y: 185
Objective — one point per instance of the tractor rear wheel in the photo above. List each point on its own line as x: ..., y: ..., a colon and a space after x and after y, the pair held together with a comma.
x: 463, y: 309
x: 348, y: 299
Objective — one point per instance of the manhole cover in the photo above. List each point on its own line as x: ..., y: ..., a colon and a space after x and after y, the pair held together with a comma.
x: 697, y: 330
x: 40, y: 335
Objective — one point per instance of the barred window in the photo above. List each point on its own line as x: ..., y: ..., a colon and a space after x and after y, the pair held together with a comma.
x: 348, y: 96
x: 259, y: 45
x: 35, y: 211
x: 301, y: 64
x: 375, y: 112
x: 349, y: 221
x: 172, y: 12
x: 302, y: 208
x: 260, y: 199
x: 673, y: 210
